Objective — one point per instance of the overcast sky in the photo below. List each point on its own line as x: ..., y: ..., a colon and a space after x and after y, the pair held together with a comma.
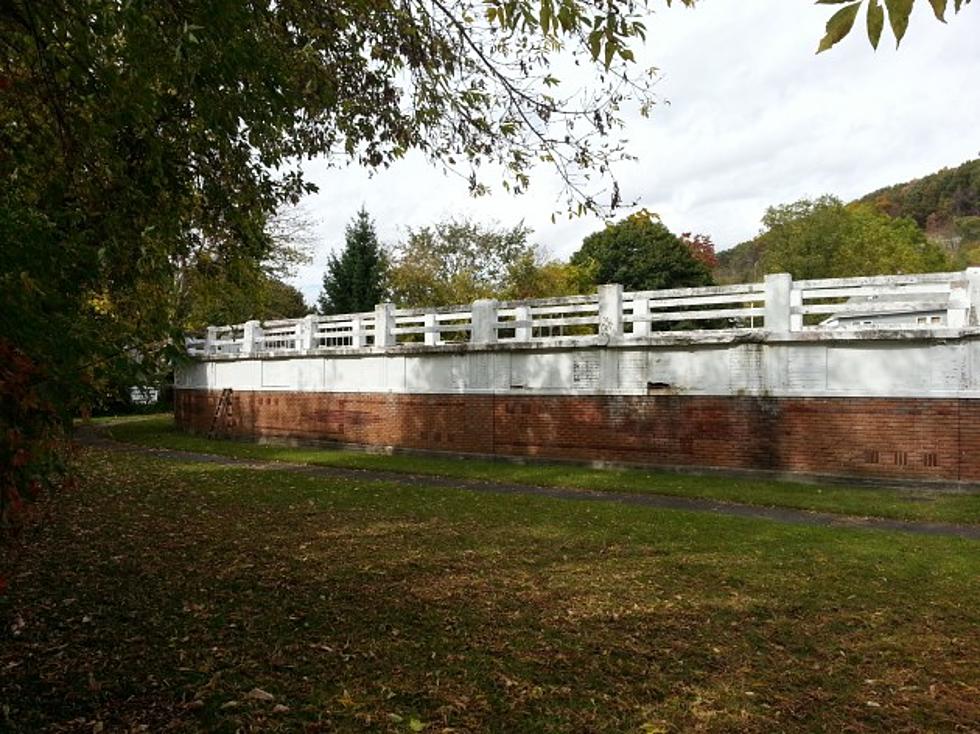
x: 754, y: 119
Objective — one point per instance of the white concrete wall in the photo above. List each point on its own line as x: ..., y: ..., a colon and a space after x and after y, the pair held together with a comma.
x: 945, y: 364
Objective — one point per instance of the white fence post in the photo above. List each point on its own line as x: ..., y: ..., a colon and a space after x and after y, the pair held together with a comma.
x: 795, y: 301
x: 483, y: 321
x: 356, y: 332
x: 611, y: 310
x: 307, y: 333
x: 973, y: 290
x: 523, y: 333
x: 251, y: 333
x: 210, y: 339
x: 641, y: 308
x: 384, y: 322
x: 431, y: 335
x: 778, y: 291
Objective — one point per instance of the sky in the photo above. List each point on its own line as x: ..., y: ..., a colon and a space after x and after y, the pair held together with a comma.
x: 751, y: 118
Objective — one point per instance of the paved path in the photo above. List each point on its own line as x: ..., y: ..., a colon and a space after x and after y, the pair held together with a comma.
x: 778, y: 514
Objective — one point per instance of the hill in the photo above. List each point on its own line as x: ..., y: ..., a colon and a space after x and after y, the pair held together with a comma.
x: 945, y: 205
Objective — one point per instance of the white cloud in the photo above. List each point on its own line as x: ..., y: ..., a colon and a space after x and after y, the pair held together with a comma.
x: 755, y: 118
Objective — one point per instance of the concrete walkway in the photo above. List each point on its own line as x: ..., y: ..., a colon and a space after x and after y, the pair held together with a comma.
x: 690, y: 504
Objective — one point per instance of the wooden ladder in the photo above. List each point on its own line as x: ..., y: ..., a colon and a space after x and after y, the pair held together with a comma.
x: 223, y: 408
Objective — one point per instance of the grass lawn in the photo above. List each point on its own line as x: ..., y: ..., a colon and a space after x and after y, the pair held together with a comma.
x: 163, y: 595
x: 903, y: 504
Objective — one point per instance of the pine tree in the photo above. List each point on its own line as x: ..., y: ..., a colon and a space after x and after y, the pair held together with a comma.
x: 354, y: 280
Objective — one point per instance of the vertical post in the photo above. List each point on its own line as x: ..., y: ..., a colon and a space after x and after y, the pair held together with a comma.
x: 795, y: 301
x: 252, y: 332
x: 307, y: 333
x: 611, y: 310
x: 641, y: 308
x: 522, y: 315
x: 483, y: 321
x: 973, y: 289
x: 778, y: 290
x: 431, y: 335
x: 356, y: 332
x: 210, y: 339
x: 384, y: 322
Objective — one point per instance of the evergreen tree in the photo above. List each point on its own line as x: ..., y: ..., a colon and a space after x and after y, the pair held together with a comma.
x: 354, y: 280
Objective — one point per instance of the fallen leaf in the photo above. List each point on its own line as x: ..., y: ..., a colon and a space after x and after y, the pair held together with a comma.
x: 257, y: 694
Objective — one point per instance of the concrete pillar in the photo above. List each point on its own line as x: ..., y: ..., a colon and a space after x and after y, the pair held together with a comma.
x: 641, y: 307
x: 611, y: 310
x: 973, y: 281
x: 484, y: 322
x: 431, y: 335
x: 356, y: 332
x: 210, y: 338
x: 795, y: 301
x: 252, y: 333
x: 384, y: 322
x: 306, y: 333
x: 778, y: 291
x: 523, y: 333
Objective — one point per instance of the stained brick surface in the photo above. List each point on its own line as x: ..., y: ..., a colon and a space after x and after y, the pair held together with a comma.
x: 900, y: 437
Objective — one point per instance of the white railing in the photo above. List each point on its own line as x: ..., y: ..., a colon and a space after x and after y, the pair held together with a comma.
x: 776, y: 305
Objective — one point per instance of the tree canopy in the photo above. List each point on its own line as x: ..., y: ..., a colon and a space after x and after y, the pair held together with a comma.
x: 354, y: 280
x: 640, y: 253
x: 824, y: 238
x: 456, y: 261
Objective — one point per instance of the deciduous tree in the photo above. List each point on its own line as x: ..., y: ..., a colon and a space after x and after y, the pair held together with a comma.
x: 640, y: 253
x: 823, y: 238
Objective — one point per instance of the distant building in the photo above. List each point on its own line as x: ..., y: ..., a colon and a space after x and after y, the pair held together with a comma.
x: 924, y: 315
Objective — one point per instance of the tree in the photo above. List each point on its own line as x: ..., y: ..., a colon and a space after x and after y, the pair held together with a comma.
x: 842, y: 21
x: 457, y: 261
x: 640, y: 253
x: 823, y: 238
x: 535, y: 275
x: 702, y: 248
x: 354, y: 280
x: 134, y: 134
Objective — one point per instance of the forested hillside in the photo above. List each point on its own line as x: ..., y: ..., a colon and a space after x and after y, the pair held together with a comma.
x: 944, y: 205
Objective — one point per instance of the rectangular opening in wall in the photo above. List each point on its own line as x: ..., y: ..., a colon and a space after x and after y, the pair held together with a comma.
x: 901, y: 458
x: 930, y: 459
x: 872, y: 457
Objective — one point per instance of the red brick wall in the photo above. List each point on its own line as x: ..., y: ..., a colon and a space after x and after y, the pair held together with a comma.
x: 900, y: 437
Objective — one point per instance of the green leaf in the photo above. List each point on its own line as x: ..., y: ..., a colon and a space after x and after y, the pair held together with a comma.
x: 415, y: 724
x: 939, y: 8
x: 898, y: 16
x: 876, y: 22
x: 595, y: 42
x: 610, y: 53
x: 545, y: 16
x: 839, y: 26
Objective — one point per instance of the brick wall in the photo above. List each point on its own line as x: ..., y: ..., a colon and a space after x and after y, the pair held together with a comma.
x: 896, y: 437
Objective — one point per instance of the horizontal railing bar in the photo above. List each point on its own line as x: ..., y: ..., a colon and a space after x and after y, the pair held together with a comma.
x: 544, y: 311
x: 570, y: 321
x: 702, y: 301
x: 915, y: 289
x: 556, y: 301
x: 721, y: 313
x: 877, y: 280
x: 871, y: 308
x: 706, y: 290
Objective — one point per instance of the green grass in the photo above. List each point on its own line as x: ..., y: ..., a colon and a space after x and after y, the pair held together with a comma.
x: 904, y: 504
x: 160, y: 594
